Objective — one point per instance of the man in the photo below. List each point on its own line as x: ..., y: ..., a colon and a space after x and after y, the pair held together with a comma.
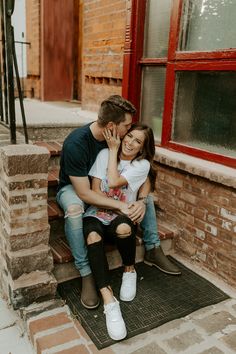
x: 79, y: 152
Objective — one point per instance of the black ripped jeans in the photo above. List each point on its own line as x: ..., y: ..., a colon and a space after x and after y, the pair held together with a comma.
x: 126, y: 245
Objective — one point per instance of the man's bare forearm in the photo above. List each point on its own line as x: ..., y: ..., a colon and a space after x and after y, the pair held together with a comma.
x: 145, y: 189
x: 93, y: 198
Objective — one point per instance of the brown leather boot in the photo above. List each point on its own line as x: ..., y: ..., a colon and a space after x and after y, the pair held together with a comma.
x: 155, y: 257
x: 89, y: 297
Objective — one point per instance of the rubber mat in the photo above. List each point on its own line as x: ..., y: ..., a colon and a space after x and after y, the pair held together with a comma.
x: 160, y: 298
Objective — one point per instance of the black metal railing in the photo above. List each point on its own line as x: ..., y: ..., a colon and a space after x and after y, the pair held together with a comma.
x: 9, y: 69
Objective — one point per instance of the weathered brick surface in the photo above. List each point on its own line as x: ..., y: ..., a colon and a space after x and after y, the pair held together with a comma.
x: 205, y: 214
x: 24, y: 159
x: 78, y: 349
x: 103, y: 46
x: 52, y: 340
x: 26, y: 261
x: 32, y: 84
x: 25, y: 241
x: 28, y: 288
x: 47, y: 322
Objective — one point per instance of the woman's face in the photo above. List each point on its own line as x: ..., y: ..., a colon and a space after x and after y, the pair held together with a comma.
x: 132, y: 144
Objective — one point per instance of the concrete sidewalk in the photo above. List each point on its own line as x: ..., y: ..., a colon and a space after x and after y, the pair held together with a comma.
x: 13, y: 337
x: 210, y: 330
x: 53, y: 114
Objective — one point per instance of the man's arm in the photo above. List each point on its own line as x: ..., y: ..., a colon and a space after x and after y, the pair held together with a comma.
x: 82, y: 189
x: 137, y: 209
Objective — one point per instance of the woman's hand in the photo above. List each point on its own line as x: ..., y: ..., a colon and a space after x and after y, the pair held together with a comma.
x: 112, y: 138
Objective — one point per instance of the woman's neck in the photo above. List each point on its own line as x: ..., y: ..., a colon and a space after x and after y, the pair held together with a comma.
x: 127, y: 158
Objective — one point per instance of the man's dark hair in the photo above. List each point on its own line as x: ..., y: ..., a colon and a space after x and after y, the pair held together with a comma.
x: 113, y: 109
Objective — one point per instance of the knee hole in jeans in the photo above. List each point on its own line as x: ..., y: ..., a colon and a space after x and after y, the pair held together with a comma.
x: 93, y: 237
x: 123, y: 230
x: 74, y: 211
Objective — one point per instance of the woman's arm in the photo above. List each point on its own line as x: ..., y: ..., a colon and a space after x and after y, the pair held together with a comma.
x: 113, y: 176
x: 96, y: 186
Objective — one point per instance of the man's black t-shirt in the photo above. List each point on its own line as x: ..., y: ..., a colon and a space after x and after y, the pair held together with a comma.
x: 79, y: 152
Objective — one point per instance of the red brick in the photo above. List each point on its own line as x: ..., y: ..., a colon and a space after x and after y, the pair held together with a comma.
x: 94, y: 350
x: 83, y: 333
x: 48, y: 322
x: 78, y: 349
x: 52, y: 340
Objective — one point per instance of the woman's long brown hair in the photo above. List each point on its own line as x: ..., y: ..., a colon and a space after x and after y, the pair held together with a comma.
x: 148, y: 150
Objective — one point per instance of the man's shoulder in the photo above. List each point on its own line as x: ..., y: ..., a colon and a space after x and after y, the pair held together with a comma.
x: 79, y: 135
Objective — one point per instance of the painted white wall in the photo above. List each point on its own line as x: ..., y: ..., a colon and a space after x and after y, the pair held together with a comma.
x: 19, y: 23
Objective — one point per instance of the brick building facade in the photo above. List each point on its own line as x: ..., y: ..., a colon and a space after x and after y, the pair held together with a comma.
x: 196, y: 182
x: 100, y: 44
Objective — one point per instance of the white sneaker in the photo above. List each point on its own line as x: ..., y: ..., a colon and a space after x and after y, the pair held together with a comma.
x: 115, y: 324
x: 128, y: 286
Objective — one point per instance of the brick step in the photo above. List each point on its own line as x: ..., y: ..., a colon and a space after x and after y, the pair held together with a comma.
x: 53, y: 147
x: 55, y: 212
x: 56, y: 331
x: 67, y: 271
x: 53, y: 176
x: 62, y: 254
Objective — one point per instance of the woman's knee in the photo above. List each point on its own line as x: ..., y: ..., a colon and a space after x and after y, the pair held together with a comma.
x: 123, y: 230
x: 93, y: 237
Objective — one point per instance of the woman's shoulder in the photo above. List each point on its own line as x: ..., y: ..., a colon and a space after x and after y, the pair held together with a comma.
x: 103, y: 153
x: 142, y: 162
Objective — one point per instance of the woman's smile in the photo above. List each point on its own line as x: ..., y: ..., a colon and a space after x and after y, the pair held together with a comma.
x: 132, y: 144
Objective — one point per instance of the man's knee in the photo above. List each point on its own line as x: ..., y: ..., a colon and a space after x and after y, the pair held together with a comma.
x: 93, y: 237
x: 123, y: 230
x: 74, y: 210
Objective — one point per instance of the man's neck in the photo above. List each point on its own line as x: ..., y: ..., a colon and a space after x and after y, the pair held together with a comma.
x: 97, y: 131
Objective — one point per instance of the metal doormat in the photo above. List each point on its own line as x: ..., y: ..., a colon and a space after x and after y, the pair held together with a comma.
x: 160, y: 298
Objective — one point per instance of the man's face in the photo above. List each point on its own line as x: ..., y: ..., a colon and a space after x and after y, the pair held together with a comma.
x: 123, y: 127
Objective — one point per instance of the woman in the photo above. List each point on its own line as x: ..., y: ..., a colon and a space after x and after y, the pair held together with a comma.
x: 118, y: 172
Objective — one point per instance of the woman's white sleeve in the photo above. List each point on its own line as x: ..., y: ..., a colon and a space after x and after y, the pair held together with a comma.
x: 136, y: 173
x: 99, y: 168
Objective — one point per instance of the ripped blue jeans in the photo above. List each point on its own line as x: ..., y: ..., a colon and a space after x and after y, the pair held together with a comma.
x: 68, y: 199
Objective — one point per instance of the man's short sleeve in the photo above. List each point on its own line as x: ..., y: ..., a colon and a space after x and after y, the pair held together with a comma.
x: 75, y: 160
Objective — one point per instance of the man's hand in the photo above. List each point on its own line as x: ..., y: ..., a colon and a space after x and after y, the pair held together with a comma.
x: 124, y: 209
x: 137, y: 211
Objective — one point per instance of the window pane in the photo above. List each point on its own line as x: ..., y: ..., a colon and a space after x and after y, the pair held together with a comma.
x: 152, y: 102
x: 157, y: 23
x: 208, y: 25
x: 205, y: 111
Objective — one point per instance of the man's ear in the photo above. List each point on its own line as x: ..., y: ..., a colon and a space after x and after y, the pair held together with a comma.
x: 110, y: 125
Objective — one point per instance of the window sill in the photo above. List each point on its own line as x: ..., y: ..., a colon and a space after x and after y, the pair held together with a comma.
x: 196, y: 166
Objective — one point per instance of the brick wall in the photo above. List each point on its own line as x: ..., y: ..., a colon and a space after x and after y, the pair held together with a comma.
x: 25, y: 257
x: 33, y: 51
x: 103, y: 44
x: 205, y: 213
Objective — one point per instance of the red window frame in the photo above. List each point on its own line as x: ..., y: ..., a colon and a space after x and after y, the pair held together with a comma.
x: 223, y: 60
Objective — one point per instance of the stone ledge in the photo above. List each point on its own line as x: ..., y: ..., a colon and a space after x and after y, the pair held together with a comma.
x: 196, y: 166
x: 28, y: 288
x: 24, y: 159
